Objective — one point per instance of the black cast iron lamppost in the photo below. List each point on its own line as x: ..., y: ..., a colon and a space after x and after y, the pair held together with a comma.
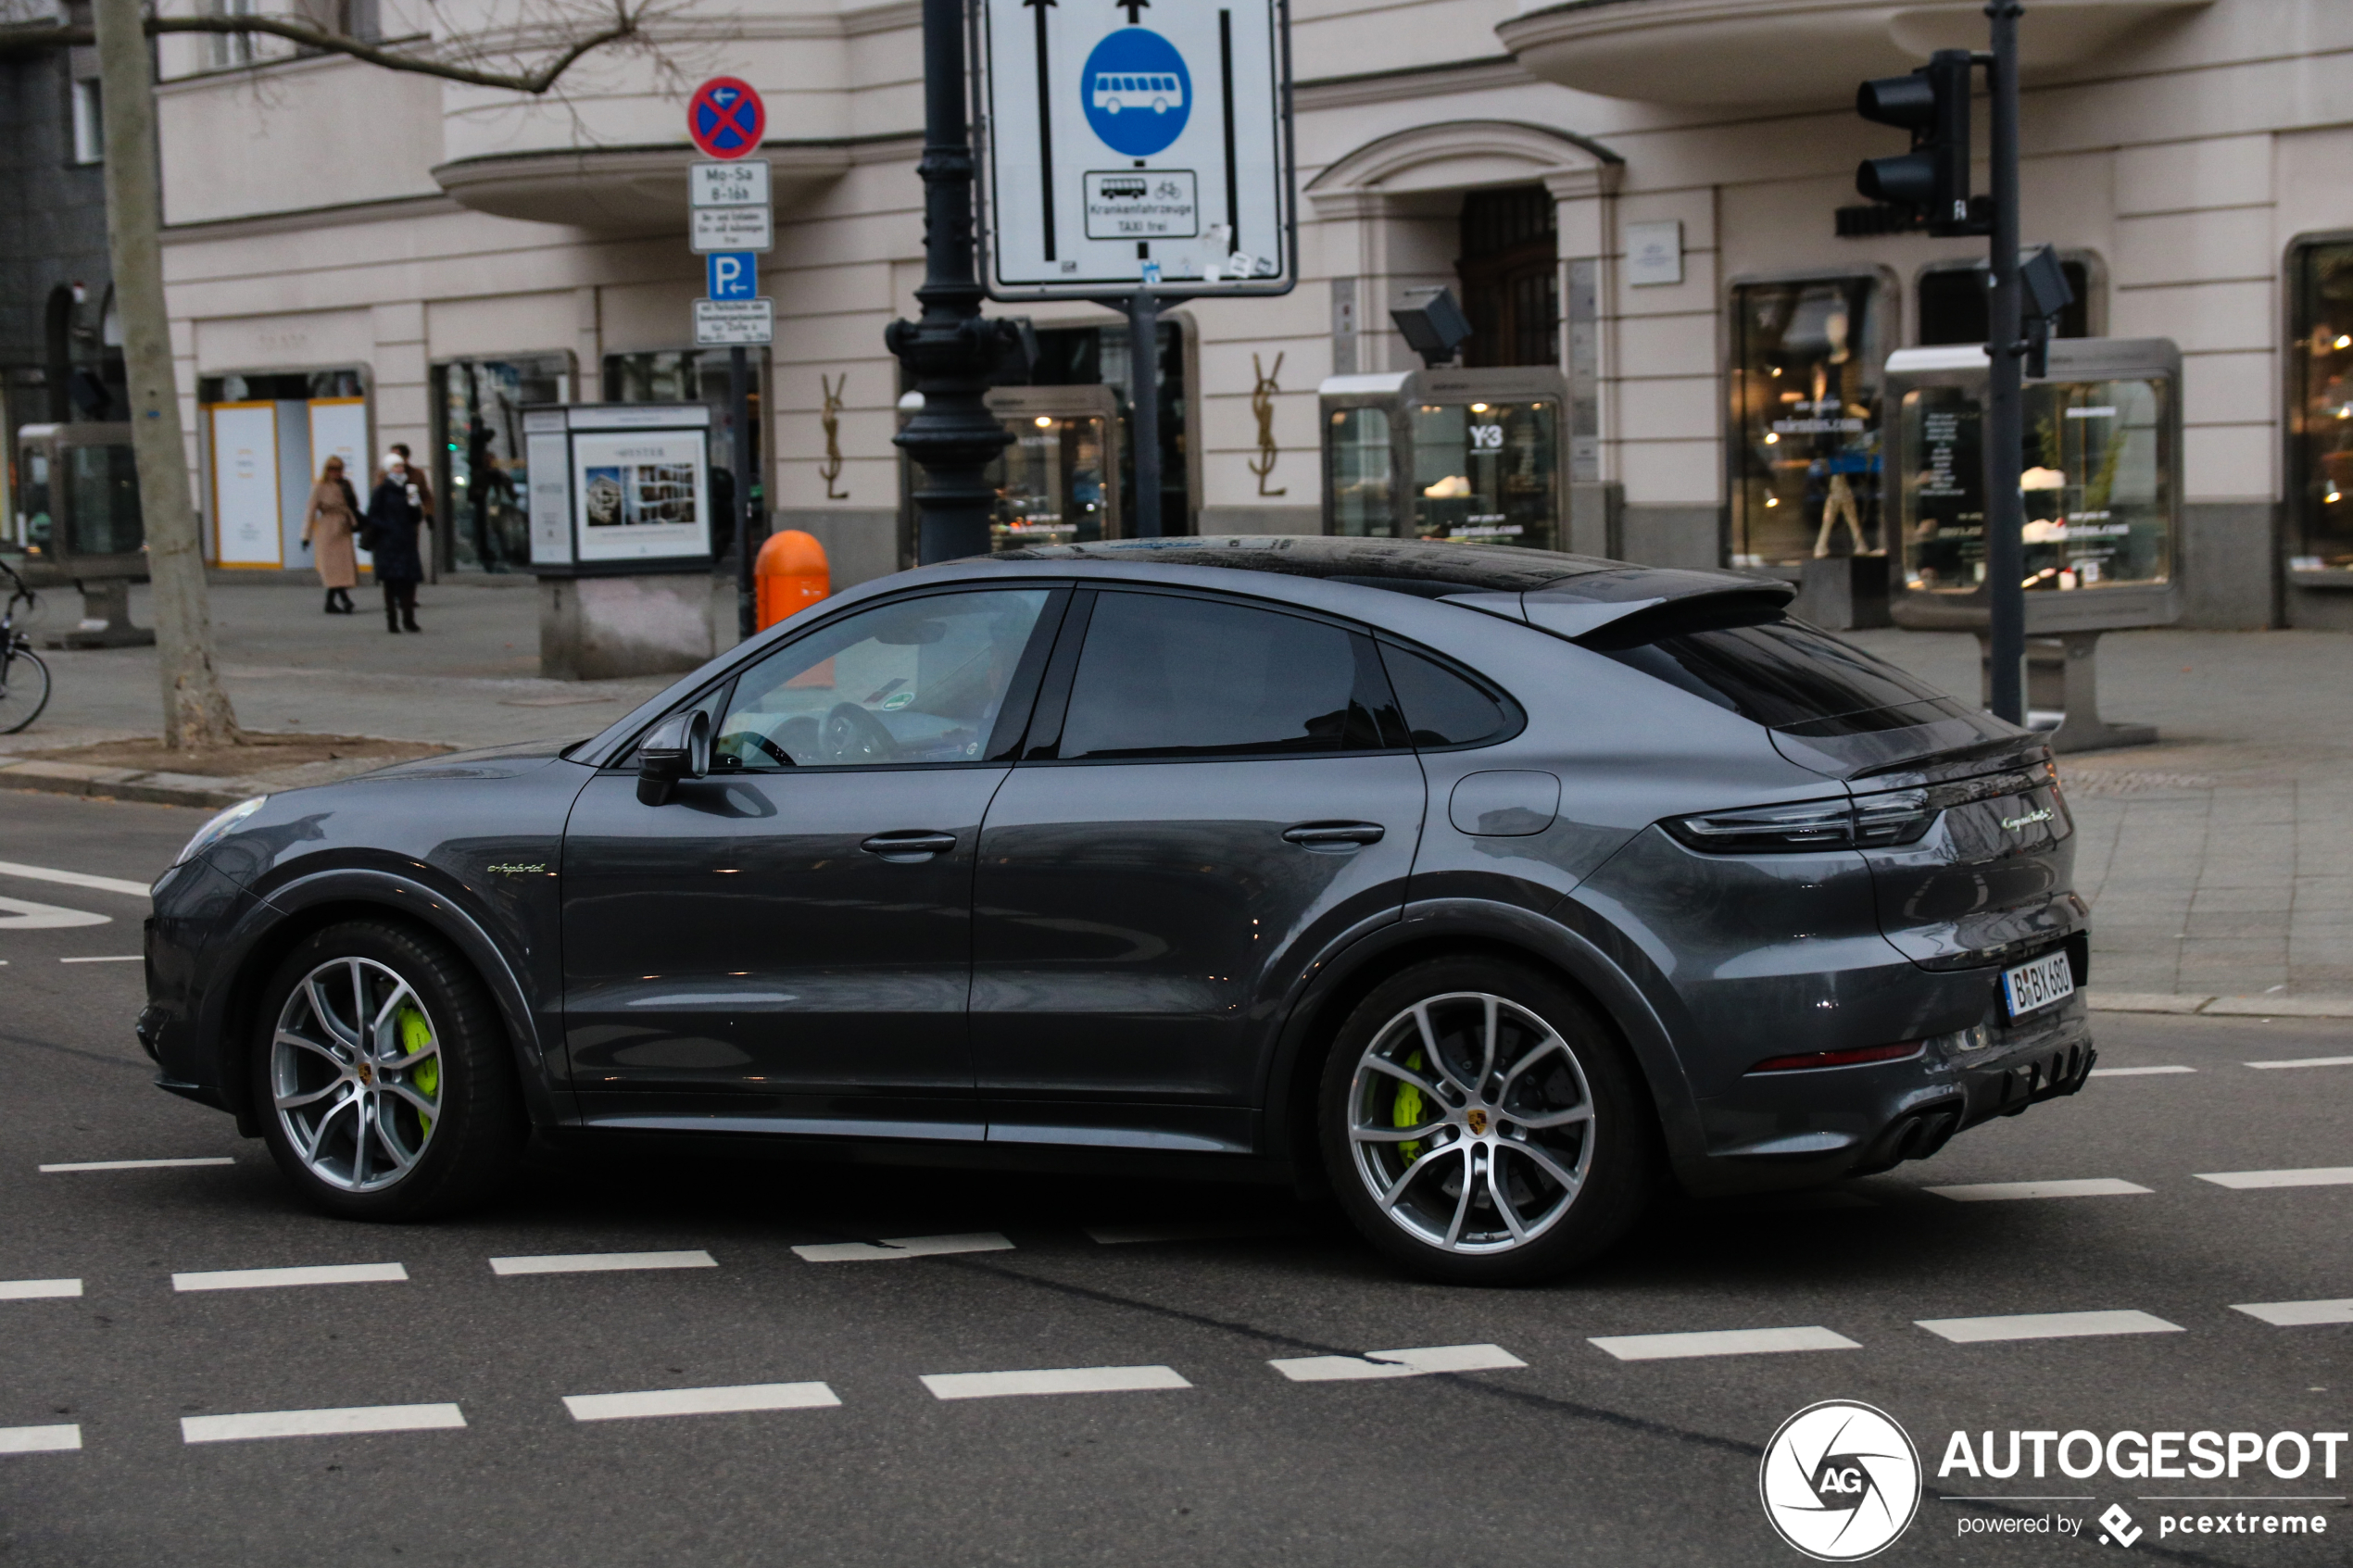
x: 952, y: 351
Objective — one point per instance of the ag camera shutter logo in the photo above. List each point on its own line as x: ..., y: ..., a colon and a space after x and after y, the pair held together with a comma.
x: 1840, y: 1481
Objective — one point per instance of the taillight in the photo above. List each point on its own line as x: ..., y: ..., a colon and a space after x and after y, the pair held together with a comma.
x: 1856, y: 1056
x: 1901, y: 817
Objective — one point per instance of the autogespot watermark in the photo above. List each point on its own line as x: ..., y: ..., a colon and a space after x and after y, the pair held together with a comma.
x: 1841, y: 1481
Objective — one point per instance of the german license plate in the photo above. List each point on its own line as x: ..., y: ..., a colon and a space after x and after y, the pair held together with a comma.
x: 2032, y: 986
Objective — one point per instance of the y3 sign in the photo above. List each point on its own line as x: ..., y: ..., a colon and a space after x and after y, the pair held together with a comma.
x: 1124, y: 143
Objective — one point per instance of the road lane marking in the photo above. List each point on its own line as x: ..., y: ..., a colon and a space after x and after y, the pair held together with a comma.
x: 40, y: 1440
x: 1721, y: 1342
x: 16, y: 914
x: 318, y: 1423
x: 1057, y: 1380
x: 2314, y: 1176
x: 599, y: 1263
x: 2306, y: 1061
x: 108, y: 957
x: 38, y: 1289
x: 140, y: 1164
x: 2046, y: 1326
x: 2000, y: 1192
x: 75, y: 879
x: 701, y: 1401
x: 269, y: 1279
x: 902, y: 1247
x: 2298, y: 1314
x: 2137, y: 1072
x: 1419, y: 1362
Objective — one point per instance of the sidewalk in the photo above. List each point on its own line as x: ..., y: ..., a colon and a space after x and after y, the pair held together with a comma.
x: 2218, y: 862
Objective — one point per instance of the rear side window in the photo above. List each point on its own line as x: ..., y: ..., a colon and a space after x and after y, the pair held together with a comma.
x: 1168, y: 677
x: 1440, y: 707
x: 1782, y: 675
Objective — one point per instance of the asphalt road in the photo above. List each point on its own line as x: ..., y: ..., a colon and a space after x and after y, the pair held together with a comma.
x: 1578, y: 1455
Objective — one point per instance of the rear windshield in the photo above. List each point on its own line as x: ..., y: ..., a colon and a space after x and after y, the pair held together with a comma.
x: 1783, y: 675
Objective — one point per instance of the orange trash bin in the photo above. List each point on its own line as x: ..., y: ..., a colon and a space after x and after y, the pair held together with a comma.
x: 789, y: 574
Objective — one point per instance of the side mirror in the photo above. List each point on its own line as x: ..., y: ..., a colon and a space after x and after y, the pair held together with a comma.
x: 678, y: 747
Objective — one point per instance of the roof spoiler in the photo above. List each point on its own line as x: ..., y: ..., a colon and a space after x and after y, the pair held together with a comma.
x: 1635, y: 598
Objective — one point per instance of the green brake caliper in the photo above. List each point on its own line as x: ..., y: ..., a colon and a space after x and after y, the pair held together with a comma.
x: 415, y: 1035
x: 1405, y: 1111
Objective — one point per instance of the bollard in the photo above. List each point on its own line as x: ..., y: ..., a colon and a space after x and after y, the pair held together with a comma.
x: 792, y: 575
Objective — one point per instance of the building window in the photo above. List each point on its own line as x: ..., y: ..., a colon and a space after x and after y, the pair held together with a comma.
x: 88, y: 125
x: 2319, y: 445
x: 1510, y: 272
x: 231, y: 49
x: 1953, y: 303
x: 1804, y: 385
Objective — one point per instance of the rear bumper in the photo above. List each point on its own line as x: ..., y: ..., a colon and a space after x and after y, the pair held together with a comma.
x: 1783, y: 1130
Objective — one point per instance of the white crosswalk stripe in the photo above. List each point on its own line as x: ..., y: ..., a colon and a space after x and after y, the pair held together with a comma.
x: 2137, y: 1072
x: 2046, y: 1325
x: 1721, y: 1342
x: 1419, y: 1363
x: 902, y: 1246
x: 599, y: 1263
x: 272, y: 1279
x: 1054, y: 1380
x: 2311, y: 1176
x: 37, y: 1289
x: 701, y: 1401
x: 318, y: 1423
x: 2298, y: 1314
x: 2306, y: 1061
x: 140, y: 1164
x: 2003, y: 1192
x: 40, y: 1440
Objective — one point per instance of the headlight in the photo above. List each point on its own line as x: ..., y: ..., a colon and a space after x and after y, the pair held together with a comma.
x: 216, y: 830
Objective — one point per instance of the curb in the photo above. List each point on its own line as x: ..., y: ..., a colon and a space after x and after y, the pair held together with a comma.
x: 125, y: 784
x: 2221, y: 1007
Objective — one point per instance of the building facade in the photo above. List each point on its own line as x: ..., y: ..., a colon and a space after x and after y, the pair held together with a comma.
x: 1637, y: 195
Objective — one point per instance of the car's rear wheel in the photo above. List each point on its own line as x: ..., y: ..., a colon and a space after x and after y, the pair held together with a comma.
x: 382, y: 1075
x: 1482, y: 1125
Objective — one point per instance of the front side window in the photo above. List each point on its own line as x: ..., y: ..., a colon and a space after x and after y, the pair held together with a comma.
x: 2320, y: 483
x: 1806, y: 420
x: 914, y: 680
x: 1166, y: 676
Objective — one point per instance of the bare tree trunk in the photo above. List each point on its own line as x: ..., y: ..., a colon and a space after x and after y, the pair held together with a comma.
x: 196, y: 708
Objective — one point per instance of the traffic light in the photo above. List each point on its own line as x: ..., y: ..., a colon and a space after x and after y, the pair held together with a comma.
x: 1932, y: 180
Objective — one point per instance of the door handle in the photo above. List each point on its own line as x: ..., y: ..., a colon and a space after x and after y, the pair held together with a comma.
x: 909, y: 846
x: 1334, y: 835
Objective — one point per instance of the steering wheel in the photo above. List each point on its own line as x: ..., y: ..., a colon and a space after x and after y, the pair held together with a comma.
x: 852, y: 734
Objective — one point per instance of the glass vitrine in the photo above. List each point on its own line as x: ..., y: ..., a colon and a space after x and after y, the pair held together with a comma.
x: 1471, y: 456
x: 1056, y: 481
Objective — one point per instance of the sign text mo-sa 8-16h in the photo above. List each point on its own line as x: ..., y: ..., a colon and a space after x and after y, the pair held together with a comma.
x: 1131, y: 146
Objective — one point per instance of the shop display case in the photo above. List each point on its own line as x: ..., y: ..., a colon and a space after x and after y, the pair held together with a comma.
x: 1058, y: 481
x: 1468, y: 455
x: 77, y: 523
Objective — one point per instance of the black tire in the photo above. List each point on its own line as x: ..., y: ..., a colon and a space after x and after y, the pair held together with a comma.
x: 1572, y: 1057
x: 463, y: 1153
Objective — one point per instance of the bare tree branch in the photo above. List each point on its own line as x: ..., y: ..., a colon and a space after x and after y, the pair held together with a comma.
x: 625, y: 25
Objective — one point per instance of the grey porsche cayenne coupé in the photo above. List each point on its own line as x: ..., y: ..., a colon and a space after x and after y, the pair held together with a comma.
x: 1493, y: 891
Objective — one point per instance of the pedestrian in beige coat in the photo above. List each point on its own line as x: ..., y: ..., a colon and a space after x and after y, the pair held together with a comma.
x: 334, y: 518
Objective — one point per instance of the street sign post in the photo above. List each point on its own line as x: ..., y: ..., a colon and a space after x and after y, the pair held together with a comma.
x: 1124, y: 143
x: 1136, y: 164
x: 733, y: 222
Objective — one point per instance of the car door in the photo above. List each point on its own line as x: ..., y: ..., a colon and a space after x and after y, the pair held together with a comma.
x: 790, y: 936
x: 1205, y: 798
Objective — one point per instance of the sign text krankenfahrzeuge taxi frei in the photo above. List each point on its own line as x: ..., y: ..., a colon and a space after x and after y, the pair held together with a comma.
x: 732, y: 217
x: 1136, y: 142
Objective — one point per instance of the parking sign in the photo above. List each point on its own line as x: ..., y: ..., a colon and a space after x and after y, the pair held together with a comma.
x: 731, y: 274
x: 1130, y: 147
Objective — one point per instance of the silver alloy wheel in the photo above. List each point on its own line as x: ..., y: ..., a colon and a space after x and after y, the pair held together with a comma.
x: 1471, y: 1123
x: 355, y: 1073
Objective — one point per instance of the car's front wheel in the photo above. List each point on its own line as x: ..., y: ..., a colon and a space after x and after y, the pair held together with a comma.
x: 382, y: 1076
x: 1482, y: 1125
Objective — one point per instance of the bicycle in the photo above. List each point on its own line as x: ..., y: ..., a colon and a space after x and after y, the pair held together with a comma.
x: 24, y: 679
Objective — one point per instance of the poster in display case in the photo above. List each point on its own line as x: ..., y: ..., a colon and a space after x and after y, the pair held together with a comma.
x: 619, y: 487
x: 2099, y: 475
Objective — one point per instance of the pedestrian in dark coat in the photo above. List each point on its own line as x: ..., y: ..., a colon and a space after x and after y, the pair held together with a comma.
x: 395, y: 509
